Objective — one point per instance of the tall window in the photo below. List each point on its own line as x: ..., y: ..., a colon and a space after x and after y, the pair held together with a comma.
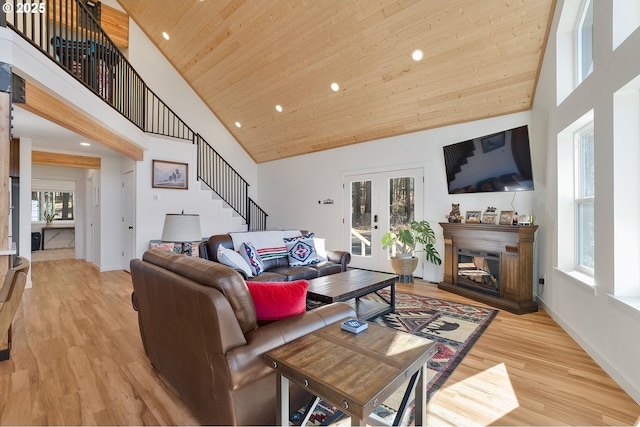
x: 58, y: 204
x: 584, y: 42
x: 585, y: 199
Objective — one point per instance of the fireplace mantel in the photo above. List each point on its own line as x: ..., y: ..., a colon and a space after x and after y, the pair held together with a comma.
x: 513, y: 243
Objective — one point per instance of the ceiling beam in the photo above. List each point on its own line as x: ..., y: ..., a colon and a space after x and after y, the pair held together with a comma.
x: 51, y: 108
x: 59, y: 159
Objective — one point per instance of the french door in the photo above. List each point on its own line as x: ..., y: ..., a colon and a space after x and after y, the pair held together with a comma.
x: 376, y: 203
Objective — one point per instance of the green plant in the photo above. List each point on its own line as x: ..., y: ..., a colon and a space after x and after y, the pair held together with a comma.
x: 417, y: 233
x: 48, y: 216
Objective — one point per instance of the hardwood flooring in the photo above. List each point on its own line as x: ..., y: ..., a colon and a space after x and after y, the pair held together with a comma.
x: 77, y: 359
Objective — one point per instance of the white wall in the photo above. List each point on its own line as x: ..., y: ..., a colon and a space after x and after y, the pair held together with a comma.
x: 605, y: 328
x: 289, y: 189
x: 152, y: 204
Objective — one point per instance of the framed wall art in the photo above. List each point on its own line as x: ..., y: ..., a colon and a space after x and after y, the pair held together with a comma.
x: 506, y: 217
x: 171, y: 175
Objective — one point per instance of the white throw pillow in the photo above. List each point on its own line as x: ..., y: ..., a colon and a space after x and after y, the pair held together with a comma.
x: 233, y: 259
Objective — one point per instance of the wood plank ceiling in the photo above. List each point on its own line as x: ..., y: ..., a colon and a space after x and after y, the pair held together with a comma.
x: 244, y: 57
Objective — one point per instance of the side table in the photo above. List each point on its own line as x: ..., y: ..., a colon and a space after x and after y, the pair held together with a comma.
x: 354, y: 372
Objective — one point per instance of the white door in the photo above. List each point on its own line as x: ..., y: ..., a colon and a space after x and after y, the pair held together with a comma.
x: 128, y: 219
x: 376, y: 203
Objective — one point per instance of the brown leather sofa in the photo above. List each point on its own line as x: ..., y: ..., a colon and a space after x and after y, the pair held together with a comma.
x: 199, y: 329
x: 278, y: 269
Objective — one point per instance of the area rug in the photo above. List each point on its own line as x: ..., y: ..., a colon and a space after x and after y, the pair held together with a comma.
x: 455, y: 327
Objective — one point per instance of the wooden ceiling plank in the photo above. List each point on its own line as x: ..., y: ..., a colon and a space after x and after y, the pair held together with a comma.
x: 242, y: 57
x: 47, y: 106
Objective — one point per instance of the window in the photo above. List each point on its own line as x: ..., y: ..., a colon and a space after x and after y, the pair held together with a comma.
x: 585, y: 199
x: 584, y: 42
x: 60, y: 204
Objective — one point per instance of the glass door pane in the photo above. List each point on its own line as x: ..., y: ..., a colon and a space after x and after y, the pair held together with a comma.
x: 361, y: 218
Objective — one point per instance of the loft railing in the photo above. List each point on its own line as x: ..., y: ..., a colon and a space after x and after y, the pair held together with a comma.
x: 67, y: 32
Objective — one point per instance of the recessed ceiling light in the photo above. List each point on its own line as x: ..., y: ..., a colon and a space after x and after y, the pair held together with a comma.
x: 279, y: 108
x: 165, y: 35
x: 86, y: 144
x: 335, y: 87
x: 238, y: 125
x: 416, y: 55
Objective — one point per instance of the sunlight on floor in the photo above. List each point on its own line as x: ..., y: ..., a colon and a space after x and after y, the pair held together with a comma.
x: 471, y: 397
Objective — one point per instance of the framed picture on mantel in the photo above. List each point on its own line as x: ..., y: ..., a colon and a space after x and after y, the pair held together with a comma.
x: 506, y: 217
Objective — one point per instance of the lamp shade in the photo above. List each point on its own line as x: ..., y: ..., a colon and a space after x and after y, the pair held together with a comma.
x: 181, y: 228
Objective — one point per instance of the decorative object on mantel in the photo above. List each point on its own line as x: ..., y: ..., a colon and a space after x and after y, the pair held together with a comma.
x: 182, y: 228
x: 454, y: 215
x: 506, y: 217
x: 472, y: 217
x: 526, y: 219
x: 404, y: 261
x: 489, y: 216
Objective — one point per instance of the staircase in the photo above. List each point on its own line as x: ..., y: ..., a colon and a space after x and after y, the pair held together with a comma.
x: 69, y: 35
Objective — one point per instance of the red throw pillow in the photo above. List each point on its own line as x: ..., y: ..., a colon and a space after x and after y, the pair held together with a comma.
x: 277, y: 300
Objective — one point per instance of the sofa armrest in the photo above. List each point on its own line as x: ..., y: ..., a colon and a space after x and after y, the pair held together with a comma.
x: 341, y: 257
x: 245, y: 363
x: 203, y: 250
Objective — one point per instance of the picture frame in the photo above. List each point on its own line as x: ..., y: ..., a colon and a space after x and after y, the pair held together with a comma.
x: 506, y: 217
x: 171, y: 175
x: 492, y: 142
x: 472, y: 217
x: 489, y: 218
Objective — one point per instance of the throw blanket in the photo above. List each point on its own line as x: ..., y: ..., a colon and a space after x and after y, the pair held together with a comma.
x: 269, y: 244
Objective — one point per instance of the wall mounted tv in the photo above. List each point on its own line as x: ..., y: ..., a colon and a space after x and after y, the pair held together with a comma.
x: 490, y: 163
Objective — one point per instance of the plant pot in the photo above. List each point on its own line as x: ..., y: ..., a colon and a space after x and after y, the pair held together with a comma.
x: 404, y: 268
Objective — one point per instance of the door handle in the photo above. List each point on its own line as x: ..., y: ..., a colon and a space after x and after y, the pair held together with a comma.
x: 375, y: 218
x: 131, y: 227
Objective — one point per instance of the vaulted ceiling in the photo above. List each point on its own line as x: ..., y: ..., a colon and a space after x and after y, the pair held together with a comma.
x: 481, y: 58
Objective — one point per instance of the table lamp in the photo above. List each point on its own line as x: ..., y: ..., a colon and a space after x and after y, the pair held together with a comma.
x: 182, y: 228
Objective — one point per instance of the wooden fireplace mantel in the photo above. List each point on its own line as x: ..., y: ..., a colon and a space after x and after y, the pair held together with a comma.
x: 514, y: 243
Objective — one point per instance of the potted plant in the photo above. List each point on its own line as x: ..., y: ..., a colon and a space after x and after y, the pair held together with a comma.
x: 48, y: 216
x: 404, y: 243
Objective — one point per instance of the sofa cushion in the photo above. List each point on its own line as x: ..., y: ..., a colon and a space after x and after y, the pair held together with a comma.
x: 250, y: 254
x: 301, y: 250
x: 328, y: 267
x: 234, y: 260
x: 306, y: 272
x: 278, y: 300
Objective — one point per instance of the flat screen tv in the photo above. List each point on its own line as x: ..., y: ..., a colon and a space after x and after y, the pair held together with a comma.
x: 490, y: 163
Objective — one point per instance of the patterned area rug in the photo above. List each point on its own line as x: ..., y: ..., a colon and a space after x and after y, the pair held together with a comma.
x: 454, y: 326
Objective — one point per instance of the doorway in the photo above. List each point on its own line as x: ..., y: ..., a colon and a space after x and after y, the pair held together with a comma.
x: 376, y: 203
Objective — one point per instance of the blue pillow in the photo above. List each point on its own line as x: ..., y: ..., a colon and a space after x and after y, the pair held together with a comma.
x: 250, y: 254
x: 302, y: 251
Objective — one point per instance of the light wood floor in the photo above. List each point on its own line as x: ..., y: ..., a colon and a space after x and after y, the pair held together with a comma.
x: 78, y: 360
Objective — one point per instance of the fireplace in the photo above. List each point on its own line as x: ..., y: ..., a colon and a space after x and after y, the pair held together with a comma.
x: 479, y: 270
x: 490, y: 263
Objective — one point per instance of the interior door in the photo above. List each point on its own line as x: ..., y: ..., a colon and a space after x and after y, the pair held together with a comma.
x: 376, y: 203
x: 128, y: 218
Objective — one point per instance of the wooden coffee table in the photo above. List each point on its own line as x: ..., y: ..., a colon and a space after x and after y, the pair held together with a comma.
x: 354, y: 372
x: 352, y: 284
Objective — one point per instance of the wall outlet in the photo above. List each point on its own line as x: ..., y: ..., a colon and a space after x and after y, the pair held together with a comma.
x: 542, y: 280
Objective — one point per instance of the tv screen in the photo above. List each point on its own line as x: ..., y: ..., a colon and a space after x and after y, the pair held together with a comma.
x: 496, y: 162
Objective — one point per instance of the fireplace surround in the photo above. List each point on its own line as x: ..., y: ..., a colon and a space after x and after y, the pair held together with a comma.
x: 491, y: 263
